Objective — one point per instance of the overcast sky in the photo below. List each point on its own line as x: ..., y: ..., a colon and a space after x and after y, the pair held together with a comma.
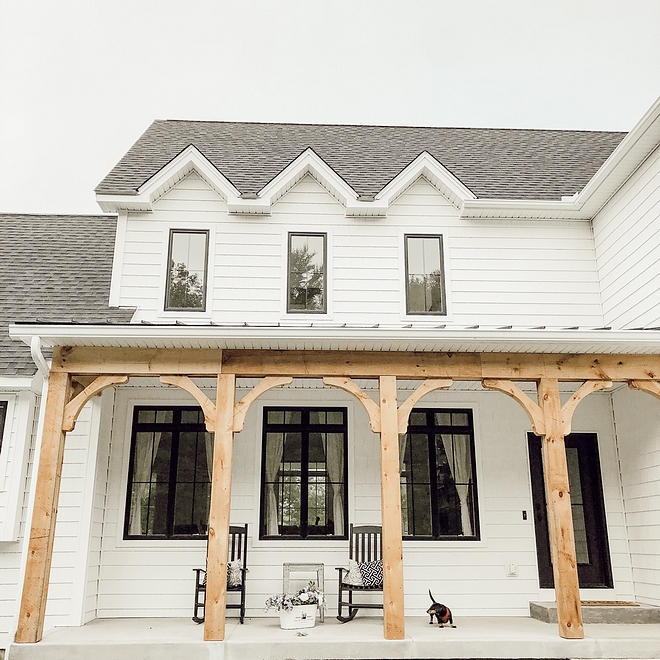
x: 81, y: 80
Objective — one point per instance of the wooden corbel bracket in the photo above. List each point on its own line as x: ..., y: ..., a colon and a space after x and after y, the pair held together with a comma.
x: 241, y: 408
x: 429, y: 385
x: 348, y: 385
x: 208, y: 407
x: 569, y: 407
x: 651, y: 387
x: 73, y: 408
x: 532, y: 408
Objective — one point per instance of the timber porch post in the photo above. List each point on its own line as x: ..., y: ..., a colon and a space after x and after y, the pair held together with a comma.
x: 219, y: 513
x: 42, y: 534
x: 390, y: 480
x: 560, y: 517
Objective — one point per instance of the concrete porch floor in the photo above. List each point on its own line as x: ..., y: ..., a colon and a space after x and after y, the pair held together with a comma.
x: 262, y: 639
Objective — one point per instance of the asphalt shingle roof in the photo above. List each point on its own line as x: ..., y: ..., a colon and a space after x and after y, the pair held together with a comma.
x: 53, y: 268
x: 493, y: 163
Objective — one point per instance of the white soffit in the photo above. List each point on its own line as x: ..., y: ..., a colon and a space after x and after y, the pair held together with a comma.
x: 367, y: 338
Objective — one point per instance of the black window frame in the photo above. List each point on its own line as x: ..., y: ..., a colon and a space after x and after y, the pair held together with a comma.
x: 172, y: 482
x: 3, y: 420
x: 443, y: 287
x: 432, y: 430
x: 167, y: 307
x: 272, y: 427
x: 324, y: 310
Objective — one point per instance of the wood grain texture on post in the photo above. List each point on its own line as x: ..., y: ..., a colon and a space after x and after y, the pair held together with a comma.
x: 560, y: 517
x: 42, y: 533
x: 219, y: 513
x: 393, y: 602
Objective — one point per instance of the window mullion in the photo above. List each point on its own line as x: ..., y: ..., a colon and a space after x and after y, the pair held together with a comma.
x: 304, y: 473
x: 174, y: 462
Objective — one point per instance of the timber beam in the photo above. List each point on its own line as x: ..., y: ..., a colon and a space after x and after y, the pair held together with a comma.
x: 81, y: 360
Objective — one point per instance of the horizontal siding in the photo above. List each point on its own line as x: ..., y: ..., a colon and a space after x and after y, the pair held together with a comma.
x: 638, y: 431
x: 495, y: 269
x: 140, y: 578
x: 627, y: 242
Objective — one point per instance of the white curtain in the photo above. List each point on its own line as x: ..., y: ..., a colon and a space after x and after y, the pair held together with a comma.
x: 460, y: 464
x: 403, y: 441
x: 208, y: 437
x: 274, y: 450
x: 145, y: 457
x: 334, y: 459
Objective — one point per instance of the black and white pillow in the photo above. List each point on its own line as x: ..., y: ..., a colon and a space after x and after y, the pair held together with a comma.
x: 372, y: 573
x: 234, y: 573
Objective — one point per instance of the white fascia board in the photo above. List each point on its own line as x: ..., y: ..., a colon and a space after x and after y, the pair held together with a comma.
x: 427, y: 166
x: 189, y: 160
x: 632, y: 151
x: 329, y: 337
x: 308, y: 162
x: 524, y: 209
x: 15, y: 383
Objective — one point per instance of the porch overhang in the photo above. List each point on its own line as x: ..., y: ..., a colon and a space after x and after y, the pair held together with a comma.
x: 313, y: 336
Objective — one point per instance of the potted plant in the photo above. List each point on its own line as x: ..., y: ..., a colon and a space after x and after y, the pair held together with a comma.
x: 299, y: 610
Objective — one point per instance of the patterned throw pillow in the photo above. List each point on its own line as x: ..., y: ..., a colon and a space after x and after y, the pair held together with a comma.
x: 372, y: 573
x: 234, y: 573
x: 354, y: 576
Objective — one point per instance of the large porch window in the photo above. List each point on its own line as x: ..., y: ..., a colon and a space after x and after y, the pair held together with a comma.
x: 169, y: 480
x: 438, y: 476
x: 303, y: 491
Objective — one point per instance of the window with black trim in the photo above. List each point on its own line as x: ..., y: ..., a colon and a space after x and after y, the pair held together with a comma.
x: 303, y: 492
x: 425, y: 279
x: 438, y: 475
x: 3, y: 419
x: 186, y: 272
x: 306, y: 287
x: 169, y: 479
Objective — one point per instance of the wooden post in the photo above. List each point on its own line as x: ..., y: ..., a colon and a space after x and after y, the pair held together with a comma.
x: 40, y: 548
x: 216, y: 583
x: 560, y: 517
x: 393, y: 607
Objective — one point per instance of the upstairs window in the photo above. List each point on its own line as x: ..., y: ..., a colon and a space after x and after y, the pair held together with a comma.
x: 307, y: 274
x: 3, y: 418
x: 186, y: 274
x: 425, y: 286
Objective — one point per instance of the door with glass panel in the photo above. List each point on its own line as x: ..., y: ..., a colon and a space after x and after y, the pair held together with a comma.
x: 588, y: 508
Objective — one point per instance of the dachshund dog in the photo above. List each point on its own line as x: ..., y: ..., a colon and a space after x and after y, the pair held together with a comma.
x: 441, y: 612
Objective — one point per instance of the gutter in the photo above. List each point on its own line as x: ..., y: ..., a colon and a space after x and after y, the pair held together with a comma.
x: 38, y: 356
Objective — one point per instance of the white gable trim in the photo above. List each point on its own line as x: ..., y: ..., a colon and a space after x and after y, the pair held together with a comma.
x: 189, y: 160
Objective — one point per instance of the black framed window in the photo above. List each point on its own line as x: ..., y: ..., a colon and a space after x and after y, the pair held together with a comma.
x: 303, y: 492
x: 425, y: 279
x: 3, y: 419
x: 438, y: 476
x: 306, y: 288
x: 187, y: 261
x: 169, y: 479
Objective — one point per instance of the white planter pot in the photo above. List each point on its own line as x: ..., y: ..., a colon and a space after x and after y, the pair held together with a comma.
x: 301, y: 616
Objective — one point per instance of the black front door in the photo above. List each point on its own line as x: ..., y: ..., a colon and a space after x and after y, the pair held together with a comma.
x: 589, y: 524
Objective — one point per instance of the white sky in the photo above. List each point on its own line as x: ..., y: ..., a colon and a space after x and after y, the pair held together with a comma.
x: 81, y: 80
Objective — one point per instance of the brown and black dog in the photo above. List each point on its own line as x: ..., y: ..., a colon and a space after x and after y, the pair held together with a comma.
x: 441, y: 612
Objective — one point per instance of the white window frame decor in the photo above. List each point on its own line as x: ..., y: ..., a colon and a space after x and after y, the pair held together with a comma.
x: 324, y: 308
x: 442, y: 308
x: 168, y: 278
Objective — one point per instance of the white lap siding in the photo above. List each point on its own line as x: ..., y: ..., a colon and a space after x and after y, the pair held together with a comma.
x: 155, y: 578
x: 627, y: 238
x: 638, y: 432
x: 522, y: 272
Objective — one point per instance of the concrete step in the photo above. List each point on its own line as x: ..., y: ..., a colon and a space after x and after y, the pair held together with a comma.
x: 613, y: 612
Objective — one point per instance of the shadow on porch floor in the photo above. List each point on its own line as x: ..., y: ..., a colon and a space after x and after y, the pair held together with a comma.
x: 262, y: 639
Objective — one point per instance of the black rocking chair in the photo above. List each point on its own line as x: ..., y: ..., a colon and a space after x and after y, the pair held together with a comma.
x: 365, y: 545
x: 238, y: 539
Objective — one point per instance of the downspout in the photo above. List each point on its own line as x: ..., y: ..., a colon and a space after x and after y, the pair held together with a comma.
x: 38, y: 357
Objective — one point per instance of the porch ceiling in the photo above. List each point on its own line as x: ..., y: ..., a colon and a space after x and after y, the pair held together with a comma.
x: 327, y: 336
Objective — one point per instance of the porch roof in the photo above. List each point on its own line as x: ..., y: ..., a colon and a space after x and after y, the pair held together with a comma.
x: 346, y: 337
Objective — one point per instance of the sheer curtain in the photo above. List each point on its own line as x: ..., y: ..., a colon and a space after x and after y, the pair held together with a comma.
x: 145, y: 457
x: 274, y: 450
x: 334, y: 458
x: 460, y: 464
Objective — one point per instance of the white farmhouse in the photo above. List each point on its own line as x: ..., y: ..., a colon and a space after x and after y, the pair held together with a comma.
x: 451, y: 334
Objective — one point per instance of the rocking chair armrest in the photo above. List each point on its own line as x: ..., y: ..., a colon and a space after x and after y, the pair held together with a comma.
x: 341, y: 570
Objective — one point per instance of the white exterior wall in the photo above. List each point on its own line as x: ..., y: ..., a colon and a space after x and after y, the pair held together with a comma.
x: 498, y: 272
x: 154, y: 578
x: 638, y: 430
x: 627, y: 239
